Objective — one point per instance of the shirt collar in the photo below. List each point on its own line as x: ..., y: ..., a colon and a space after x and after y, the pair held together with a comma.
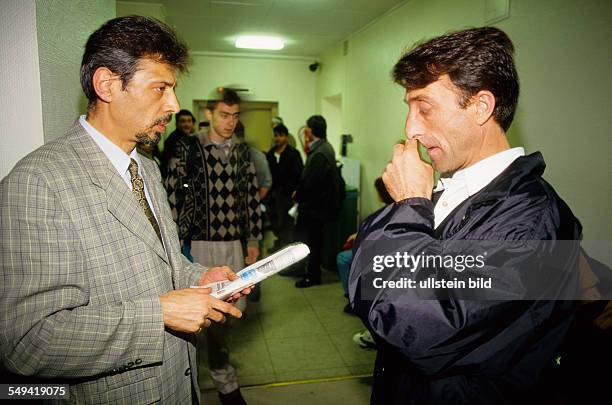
x: 114, y: 153
x: 477, y: 176
x: 314, y: 143
x: 205, y: 140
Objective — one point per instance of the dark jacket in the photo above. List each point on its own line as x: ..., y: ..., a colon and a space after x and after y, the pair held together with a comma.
x: 287, y: 171
x: 455, y: 351
x: 170, y: 150
x: 317, y: 192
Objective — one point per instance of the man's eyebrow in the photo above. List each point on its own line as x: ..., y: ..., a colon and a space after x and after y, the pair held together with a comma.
x: 417, y: 97
x: 169, y: 84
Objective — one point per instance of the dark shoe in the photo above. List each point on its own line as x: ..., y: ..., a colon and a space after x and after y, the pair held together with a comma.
x: 348, y: 309
x: 232, y: 398
x: 306, y: 282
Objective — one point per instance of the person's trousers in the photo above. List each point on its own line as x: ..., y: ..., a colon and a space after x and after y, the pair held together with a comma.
x: 211, y: 254
x: 281, y: 222
x: 343, y: 261
x: 309, y: 230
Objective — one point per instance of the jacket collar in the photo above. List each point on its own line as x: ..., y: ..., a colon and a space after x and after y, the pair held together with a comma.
x: 512, y: 177
x: 316, y: 144
x: 474, y: 178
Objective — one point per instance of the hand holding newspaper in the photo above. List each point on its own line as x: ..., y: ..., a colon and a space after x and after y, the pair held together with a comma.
x: 259, y: 271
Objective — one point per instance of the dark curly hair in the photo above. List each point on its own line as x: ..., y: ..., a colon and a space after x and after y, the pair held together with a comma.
x: 121, y: 43
x: 474, y: 59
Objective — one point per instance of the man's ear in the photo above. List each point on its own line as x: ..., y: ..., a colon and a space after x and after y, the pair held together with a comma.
x: 102, y: 81
x: 208, y: 114
x: 484, y: 102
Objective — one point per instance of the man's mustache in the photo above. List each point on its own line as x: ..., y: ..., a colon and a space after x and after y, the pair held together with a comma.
x: 162, y: 121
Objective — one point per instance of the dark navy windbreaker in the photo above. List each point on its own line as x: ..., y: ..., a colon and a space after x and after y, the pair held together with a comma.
x: 457, y: 351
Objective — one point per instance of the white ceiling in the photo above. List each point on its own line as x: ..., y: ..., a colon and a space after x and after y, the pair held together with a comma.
x: 309, y: 27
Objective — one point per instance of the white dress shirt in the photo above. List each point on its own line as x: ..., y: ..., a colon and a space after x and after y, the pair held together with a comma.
x: 467, y: 182
x: 118, y: 157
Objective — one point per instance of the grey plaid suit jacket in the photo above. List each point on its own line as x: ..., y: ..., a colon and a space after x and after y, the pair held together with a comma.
x: 82, y: 271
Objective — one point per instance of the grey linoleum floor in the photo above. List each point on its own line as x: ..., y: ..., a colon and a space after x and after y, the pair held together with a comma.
x: 295, y: 346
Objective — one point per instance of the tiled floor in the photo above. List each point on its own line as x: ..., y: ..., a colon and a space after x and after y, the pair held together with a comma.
x: 293, y: 335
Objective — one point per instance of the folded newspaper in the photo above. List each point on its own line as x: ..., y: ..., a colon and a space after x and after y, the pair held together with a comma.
x: 259, y: 271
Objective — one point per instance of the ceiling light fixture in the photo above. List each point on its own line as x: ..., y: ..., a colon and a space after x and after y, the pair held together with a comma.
x: 259, y: 42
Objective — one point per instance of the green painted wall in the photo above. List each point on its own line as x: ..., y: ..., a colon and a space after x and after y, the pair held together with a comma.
x: 563, y: 60
x: 63, y: 27
x: 288, y: 82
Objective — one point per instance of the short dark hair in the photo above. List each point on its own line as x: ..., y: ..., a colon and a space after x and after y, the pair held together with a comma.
x: 121, y: 43
x: 184, y: 112
x: 318, y: 126
x: 474, y: 59
x: 229, y: 97
x: 281, y: 129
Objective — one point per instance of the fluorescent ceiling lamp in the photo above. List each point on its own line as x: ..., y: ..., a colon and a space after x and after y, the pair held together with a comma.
x: 259, y: 42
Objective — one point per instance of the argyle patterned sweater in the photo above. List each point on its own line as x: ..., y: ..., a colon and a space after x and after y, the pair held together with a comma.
x: 213, y: 197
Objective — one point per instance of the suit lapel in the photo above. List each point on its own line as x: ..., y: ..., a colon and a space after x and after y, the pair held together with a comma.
x: 121, y: 203
x: 166, y: 224
x: 167, y: 228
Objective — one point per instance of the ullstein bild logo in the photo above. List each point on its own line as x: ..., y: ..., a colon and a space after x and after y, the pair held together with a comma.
x: 431, y: 283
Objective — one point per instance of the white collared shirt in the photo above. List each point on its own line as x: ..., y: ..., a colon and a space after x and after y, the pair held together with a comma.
x: 467, y: 182
x: 118, y: 157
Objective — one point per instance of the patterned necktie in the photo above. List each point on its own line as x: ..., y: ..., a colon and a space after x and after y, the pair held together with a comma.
x: 138, y: 190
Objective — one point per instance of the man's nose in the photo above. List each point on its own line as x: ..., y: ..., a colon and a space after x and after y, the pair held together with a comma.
x: 413, y: 128
x: 172, y: 104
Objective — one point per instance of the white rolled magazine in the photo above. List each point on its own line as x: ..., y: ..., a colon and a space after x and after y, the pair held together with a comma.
x: 259, y: 271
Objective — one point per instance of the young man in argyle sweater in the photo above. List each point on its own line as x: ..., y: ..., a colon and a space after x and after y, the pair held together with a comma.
x: 213, y: 193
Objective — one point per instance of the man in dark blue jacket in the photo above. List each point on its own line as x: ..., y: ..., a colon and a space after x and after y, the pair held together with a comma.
x: 492, y: 223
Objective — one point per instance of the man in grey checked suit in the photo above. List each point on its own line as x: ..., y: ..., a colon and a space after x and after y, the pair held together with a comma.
x: 95, y: 292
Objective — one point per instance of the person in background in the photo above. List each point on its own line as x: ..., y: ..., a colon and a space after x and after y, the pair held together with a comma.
x: 286, y: 165
x: 262, y: 171
x: 317, y: 196
x: 214, y: 196
x: 203, y: 126
x: 185, y: 122
x: 278, y: 120
x: 345, y: 257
